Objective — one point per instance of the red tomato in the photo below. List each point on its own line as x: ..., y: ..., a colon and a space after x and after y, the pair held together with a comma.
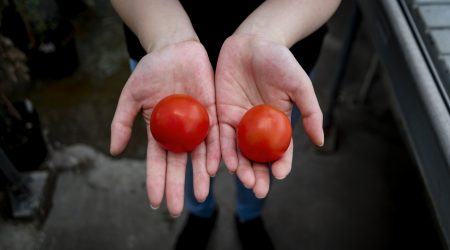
x: 264, y: 134
x: 179, y: 123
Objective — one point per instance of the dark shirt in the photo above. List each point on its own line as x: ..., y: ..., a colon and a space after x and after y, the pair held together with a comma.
x: 214, y: 21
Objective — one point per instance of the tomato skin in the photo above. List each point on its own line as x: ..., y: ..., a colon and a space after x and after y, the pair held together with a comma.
x: 179, y: 123
x: 264, y: 134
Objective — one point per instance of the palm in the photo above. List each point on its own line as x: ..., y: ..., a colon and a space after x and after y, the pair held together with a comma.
x: 175, y: 70
x: 251, y: 71
x: 182, y: 68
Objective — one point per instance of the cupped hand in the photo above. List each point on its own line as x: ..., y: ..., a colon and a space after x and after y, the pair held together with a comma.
x: 181, y: 68
x: 252, y: 71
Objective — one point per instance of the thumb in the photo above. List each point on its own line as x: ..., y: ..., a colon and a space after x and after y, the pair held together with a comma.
x: 306, y: 100
x: 122, y: 123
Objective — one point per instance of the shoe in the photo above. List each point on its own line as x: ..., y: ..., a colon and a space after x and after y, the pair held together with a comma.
x: 196, y: 232
x: 253, y: 234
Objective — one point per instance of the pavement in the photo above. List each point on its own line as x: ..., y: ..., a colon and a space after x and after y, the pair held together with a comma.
x: 367, y: 194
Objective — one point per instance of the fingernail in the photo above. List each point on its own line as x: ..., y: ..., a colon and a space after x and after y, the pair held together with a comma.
x: 280, y: 178
x: 175, y: 215
x: 260, y: 196
x: 323, y: 140
x: 153, y: 207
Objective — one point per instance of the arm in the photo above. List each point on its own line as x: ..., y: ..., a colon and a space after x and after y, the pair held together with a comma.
x: 156, y: 23
x: 288, y: 21
x: 177, y: 64
x: 255, y: 66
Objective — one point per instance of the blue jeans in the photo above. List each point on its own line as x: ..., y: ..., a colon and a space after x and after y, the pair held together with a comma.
x: 248, y: 206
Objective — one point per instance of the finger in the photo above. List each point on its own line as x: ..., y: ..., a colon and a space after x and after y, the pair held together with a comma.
x: 245, y: 172
x: 306, y: 100
x: 262, y: 177
x: 200, y: 175
x: 156, y: 172
x: 175, y: 175
x: 282, y: 167
x: 213, y: 150
x: 122, y: 123
x: 228, y: 146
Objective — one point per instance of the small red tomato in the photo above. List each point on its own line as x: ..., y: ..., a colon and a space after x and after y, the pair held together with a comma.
x: 264, y: 134
x: 179, y: 123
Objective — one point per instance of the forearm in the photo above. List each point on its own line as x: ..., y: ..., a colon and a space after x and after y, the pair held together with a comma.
x: 157, y: 23
x: 288, y: 21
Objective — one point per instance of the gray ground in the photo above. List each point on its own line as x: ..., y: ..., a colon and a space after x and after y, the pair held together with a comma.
x: 365, y: 195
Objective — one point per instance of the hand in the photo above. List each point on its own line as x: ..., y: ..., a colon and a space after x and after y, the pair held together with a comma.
x: 252, y: 71
x: 181, y: 68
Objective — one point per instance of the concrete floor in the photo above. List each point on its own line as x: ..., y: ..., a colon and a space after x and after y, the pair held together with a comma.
x: 365, y: 195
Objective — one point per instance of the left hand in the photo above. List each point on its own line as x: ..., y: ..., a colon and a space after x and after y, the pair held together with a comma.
x: 181, y: 68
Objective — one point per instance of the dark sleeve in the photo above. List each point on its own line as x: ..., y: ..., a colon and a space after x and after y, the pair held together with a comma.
x: 217, y: 23
x: 307, y: 51
x: 134, y: 47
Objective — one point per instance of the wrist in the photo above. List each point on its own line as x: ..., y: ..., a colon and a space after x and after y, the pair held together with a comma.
x: 272, y: 21
x: 261, y: 30
x: 157, y: 23
x: 287, y: 21
x: 154, y: 43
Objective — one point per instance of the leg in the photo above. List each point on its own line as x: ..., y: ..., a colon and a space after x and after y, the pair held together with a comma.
x: 202, y: 216
x: 248, y: 207
x: 205, y: 209
x: 251, y: 230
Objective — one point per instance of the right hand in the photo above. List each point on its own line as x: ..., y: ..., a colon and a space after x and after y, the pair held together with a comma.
x: 252, y: 70
x: 181, y: 68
